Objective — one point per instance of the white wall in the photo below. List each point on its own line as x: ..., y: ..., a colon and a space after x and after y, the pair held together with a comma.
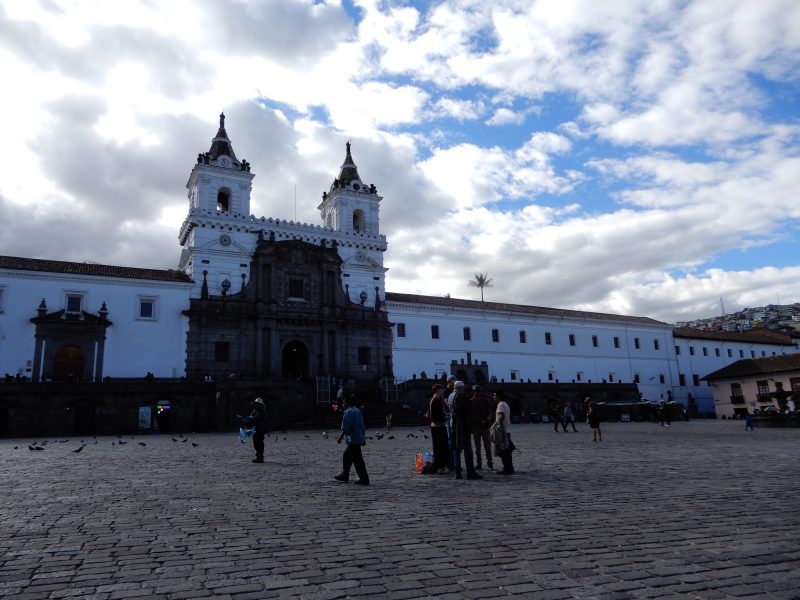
x: 534, y: 359
x: 133, y: 346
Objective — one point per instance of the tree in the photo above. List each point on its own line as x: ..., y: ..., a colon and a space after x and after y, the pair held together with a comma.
x: 481, y: 281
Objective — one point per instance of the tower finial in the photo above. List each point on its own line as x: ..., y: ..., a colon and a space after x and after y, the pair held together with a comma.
x: 222, y: 120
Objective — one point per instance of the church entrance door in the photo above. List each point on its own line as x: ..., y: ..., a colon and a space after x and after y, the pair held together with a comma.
x: 68, y: 364
x: 295, y: 360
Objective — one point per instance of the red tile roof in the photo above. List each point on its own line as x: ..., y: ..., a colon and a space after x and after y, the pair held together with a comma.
x: 59, y: 266
x: 517, y: 308
x: 748, y: 336
x: 757, y: 366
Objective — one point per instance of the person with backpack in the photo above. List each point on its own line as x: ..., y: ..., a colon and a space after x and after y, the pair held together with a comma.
x: 259, y: 419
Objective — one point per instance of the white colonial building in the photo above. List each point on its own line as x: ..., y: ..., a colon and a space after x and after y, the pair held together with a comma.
x: 81, y: 321
x: 64, y: 320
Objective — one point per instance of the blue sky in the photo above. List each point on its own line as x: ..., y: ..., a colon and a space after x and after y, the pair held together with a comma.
x: 626, y: 157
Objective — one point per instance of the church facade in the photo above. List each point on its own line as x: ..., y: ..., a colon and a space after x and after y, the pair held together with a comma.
x: 268, y: 298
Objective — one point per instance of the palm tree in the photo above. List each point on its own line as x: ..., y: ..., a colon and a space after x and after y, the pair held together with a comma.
x: 481, y: 281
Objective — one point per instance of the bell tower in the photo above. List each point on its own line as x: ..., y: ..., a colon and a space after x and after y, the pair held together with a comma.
x: 214, y: 241
x: 351, y: 209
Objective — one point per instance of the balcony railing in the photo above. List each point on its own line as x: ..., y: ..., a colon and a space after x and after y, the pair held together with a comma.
x: 737, y: 399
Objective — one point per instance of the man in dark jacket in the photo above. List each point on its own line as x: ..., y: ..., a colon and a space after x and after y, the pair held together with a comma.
x: 481, y: 421
x: 461, y: 408
x: 258, y: 419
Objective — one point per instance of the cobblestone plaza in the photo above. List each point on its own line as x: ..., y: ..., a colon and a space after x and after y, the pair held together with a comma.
x: 697, y: 510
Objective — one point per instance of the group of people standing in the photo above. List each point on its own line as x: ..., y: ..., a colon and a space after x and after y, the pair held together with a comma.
x: 458, y: 419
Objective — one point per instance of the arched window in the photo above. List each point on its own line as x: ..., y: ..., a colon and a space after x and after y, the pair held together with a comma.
x: 358, y: 221
x: 224, y: 200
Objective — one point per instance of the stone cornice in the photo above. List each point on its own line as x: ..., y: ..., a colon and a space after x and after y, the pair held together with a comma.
x: 94, y: 279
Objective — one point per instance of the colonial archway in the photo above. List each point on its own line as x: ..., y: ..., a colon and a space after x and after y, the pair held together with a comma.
x: 295, y: 360
x: 68, y: 364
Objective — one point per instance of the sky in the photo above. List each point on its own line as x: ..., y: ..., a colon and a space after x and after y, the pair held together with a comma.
x: 629, y: 157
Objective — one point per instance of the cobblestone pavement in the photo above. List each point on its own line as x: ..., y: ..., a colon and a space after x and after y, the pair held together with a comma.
x: 696, y: 510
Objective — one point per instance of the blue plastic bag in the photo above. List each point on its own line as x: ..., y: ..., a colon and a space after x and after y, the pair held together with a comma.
x: 245, y: 433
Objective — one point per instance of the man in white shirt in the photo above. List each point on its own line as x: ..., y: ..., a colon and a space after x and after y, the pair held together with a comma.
x: 503, y: 416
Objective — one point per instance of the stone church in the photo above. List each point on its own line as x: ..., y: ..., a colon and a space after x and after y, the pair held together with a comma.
x: 277, y: 299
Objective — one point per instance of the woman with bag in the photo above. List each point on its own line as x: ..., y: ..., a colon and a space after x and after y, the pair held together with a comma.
x: 501, y: 433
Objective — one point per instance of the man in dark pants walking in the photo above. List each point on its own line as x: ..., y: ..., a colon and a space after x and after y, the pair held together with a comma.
x: 259, y: 420
x: 355, y: 434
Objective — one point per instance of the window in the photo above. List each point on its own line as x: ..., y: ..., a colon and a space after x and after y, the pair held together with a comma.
x: 616, y: 342
x: 741, y: 353
x: 74, y: 303
x: 716, y: 352
x: 551, y: 375
x: 636, y: 343
x: 736, y: 391
x: 495, y: 335
x: 595, y: 342
x: 147, y: 309
x: 364, y: 355
x: 695, y: 380
x: 358, y: 221
x: 295, y: 289
x: 434, y: 332
x: 223, y: 200
x: 514, y: 375
x: 752, y: 353
x: 222, y: 351
x: 548, y: 339
x: 571, y: 339
x: 705, y: 351
x: 610, y: 378
x: 762, y: 387
x: 655, y: 345
x: 763, y: 353
x: 579, y: 376
x: 467, y: 334
x: 681, y: 379
x: 677, y: 350
x: 523, y: 339
x: 661, y: 378
x: 691, y: 350
x: 730, y: 353
x: 635, y: 378
x: 2, y: 300
x: 401, y: 330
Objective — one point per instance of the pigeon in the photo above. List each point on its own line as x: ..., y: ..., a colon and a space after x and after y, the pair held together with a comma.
x: 391, y: 437
x: 369, y: 437
x: 308, y: 436
x: 15, y: 447
x: 174, y: 440
x: 121, y: 443
x: 142, y: 444
x: 379, y: 436
x: 79, y: 449
x: 184, y: 440
x: 38, y: 448
x: 284, y: 439
x: 113, y: 443
x: 65, y: 441
x: 31, y: 448
x: 195, y: 445
x: 325, y: 434
x: 95, y: 441
x: 425, y: 436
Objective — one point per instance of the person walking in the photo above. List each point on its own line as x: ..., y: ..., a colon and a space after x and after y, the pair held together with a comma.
x: 594, y: 423
x: 436, y: 412
x: 569, y: 417
x: 453, y: 459
x: 461, y: 410
x: 481, y: 421
x: 555, y: 416
x: 258, y: 419
x: 748, y: 421
x: 503, y: 419
x: 354, y: 433
x: 666, y: 416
